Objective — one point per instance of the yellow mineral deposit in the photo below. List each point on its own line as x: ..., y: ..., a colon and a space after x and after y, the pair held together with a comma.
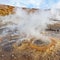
x: 6, y: 10
x: 37, y: 52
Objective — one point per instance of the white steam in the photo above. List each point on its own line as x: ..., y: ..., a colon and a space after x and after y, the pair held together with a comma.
x: 27, y: 24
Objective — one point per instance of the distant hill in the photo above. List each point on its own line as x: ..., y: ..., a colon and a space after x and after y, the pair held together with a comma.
x: 6, y: 9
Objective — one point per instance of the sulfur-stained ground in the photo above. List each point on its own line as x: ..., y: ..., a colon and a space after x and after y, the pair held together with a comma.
x: 28, y: 51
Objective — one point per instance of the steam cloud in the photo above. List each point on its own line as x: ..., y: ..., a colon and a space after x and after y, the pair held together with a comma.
x: 28, y: 25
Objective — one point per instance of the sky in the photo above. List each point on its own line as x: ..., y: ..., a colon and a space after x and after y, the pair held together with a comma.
x: 33, y: 3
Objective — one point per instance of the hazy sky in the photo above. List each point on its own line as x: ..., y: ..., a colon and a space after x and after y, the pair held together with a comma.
x: 33, y: 3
